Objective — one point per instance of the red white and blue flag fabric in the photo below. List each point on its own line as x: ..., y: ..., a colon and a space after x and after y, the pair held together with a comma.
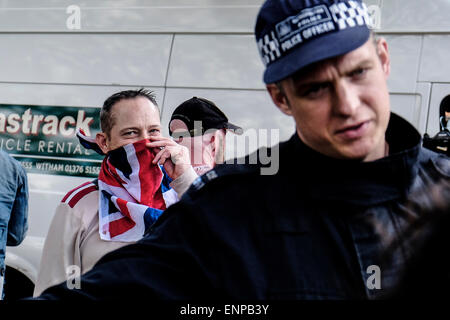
x: 133, y: 191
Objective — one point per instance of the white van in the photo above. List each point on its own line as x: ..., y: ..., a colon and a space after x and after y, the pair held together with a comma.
x: 61, y: 61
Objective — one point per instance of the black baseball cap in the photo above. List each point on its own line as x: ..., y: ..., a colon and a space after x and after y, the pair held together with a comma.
x: 293, y: 34
x: 201, y: 109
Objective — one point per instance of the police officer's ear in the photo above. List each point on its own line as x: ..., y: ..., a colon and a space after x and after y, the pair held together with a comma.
x: 383, y: 55
x: 279, y: 97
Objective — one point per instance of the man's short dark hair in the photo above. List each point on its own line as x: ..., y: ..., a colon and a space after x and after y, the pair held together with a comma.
x: 106, y: 120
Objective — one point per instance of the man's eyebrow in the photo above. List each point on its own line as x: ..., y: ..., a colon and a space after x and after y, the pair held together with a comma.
x: 309, y: 77
x: 310, y: 83
x: 362, y: 64
x: 302, y: 82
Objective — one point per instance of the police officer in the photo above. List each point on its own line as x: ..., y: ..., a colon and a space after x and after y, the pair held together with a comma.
x: 310, y: 230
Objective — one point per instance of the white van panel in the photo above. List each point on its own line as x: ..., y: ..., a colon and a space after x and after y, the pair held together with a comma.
x: 413, y: 106
x: 419, y: 16
x: 132, y: 15
x: 63, y: 95
x: 226, y: 61
x: 26, y: 257
x: 196, y: 15
x: 435, y: 62
x: 406, y: 105
x: 45, y: 193
x: 107, y: 59
x: 405, y: 60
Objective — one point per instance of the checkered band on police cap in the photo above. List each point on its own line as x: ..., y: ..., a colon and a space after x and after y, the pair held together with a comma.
x: 292, y: 34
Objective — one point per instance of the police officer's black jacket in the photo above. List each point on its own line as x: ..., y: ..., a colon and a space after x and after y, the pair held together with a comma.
x: 308, y: 232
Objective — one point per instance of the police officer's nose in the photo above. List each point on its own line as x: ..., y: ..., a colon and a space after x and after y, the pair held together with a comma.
x: 346, y: 99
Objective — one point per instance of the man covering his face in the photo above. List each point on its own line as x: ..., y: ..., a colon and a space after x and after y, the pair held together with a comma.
x: 134, y: 187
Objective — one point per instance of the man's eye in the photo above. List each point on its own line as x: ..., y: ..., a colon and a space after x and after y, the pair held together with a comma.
x: 316, y: 90
x: 155, y: 131
x: 358, y: 73
x: 130, y: 133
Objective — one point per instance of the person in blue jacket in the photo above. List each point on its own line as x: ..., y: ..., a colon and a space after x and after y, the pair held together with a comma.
x: 13, y: 207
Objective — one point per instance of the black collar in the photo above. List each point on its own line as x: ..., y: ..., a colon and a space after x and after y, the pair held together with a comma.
x: 356, y: 182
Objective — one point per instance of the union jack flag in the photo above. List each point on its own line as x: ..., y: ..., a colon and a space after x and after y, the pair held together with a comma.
x: 133, y: 192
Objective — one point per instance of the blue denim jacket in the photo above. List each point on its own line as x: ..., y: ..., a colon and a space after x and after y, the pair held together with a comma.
x: 13, y: 204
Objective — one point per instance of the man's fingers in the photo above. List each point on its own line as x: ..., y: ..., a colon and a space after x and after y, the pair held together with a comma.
x: 162, y: 156
x: 154, y: 139
x: 174, y: 153
x: 157, y: 144
x: 158, y: 156
x: 161, y: 143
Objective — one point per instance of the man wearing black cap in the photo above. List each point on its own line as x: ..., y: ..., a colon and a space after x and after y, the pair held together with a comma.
x: 201, y: 126
x: 310, y: 230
